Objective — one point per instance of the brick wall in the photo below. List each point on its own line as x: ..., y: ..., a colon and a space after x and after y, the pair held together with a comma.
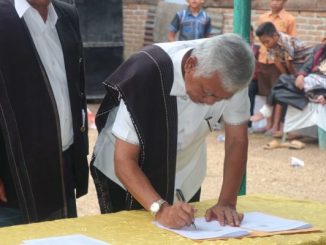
x: 134, y: 19
x: 311, y: 24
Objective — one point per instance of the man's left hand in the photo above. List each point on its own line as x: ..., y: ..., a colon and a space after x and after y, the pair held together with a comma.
x: 224, y: 214
x: 320, y: 100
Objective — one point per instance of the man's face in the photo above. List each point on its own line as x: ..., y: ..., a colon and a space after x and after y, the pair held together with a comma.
x: 195, y: 3
x: 277, y: 5
x: 205, y: 90
x: 269, y: 41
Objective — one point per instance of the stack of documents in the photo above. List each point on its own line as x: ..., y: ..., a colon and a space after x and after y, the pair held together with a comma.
x: 252, y: 222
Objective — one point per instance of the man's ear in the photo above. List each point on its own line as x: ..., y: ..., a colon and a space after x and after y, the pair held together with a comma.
x: 190, y: 64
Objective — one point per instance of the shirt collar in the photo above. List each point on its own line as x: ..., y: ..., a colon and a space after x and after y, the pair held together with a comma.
x: 281, y: 41
x: 178, y: 87
x: 188, y: 12
x: 52, y: 16
x: 22, y: 6
x: 280, y: 14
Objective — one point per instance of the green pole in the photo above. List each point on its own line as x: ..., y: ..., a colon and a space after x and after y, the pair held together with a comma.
x: 241, y: 18
x: 241, y: 26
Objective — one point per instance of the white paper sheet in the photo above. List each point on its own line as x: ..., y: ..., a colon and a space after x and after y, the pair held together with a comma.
x: 253, y: 221
x: 207, y: 230
x: 75, y: 239
x: 268, y: 223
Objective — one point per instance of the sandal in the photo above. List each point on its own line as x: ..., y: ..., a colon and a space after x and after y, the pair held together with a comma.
x: 294, y: 144
x: 297, y: 145
x: 273, y: 145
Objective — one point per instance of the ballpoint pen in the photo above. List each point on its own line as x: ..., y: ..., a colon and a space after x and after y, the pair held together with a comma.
x: 181, y: 198
x: 209, y: 124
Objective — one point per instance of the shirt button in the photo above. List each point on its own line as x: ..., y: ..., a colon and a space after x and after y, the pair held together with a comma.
x: 82, y: 129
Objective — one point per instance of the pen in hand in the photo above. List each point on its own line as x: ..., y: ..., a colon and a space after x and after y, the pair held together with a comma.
x: 181, y: 198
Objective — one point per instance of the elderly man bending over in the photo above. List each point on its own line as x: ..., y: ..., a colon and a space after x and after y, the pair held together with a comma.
x: 154, y: 120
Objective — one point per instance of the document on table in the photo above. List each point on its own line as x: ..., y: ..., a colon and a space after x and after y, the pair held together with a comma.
x: 207, y: 230
x: 253, y: 221
x: 75, y: 239
x: 268, y: 223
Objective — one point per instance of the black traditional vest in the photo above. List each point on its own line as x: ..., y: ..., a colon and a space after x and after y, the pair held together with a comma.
x: 29, y: 122
x: 144, y: 82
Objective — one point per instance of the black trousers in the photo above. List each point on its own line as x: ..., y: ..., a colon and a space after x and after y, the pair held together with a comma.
x: 252, y: 92
x: 70, y: 182
x: 10, y: 213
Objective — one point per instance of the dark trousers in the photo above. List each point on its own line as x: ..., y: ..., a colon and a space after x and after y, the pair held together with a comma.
x: 70, y: 182
x: 10, y: 216
x: 253, y: 91
x: 13, y: 216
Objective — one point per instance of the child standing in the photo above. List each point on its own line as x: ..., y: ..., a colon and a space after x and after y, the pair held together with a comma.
x: 191, y: 23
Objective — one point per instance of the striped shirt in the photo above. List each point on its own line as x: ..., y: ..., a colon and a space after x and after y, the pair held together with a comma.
x: 284, y: 22
x: 289, y: 48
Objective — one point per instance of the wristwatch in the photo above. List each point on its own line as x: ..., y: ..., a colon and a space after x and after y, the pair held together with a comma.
x: 156, y: 206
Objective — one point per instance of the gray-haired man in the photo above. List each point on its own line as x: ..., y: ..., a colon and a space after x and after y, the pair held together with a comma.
x: 154, y: 120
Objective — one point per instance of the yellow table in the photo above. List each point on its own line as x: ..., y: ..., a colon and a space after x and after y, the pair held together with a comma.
x: 135, y: 227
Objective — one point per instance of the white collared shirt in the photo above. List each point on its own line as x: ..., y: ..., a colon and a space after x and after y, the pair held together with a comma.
x: 192, y: 127
x: 48, y: 46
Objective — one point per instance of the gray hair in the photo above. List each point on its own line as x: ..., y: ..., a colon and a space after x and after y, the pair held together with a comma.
x: 230, y: 56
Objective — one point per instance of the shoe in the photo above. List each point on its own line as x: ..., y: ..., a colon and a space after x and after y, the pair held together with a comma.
x: 273, y: 145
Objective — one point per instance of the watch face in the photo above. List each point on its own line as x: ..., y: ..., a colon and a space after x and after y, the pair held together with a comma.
x: 155, y: 207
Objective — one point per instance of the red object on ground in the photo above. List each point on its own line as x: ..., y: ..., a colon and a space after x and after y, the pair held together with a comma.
x: 91, y: 119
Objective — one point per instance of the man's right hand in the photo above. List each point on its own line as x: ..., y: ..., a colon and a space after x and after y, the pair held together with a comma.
x: 2, y: 192
x: 299, y: 82
x: 176, y: 216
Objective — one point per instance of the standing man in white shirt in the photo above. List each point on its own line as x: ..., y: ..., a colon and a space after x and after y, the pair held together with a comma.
x: 160, y: 106
x: 43, y: 127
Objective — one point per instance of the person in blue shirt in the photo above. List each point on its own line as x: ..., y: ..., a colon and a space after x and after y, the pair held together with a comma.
x: 191, y: 23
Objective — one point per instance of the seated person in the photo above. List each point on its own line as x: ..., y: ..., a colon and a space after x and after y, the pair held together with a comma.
x: 312, y: 74
x: 288, y: 54
x: 311, y: 79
